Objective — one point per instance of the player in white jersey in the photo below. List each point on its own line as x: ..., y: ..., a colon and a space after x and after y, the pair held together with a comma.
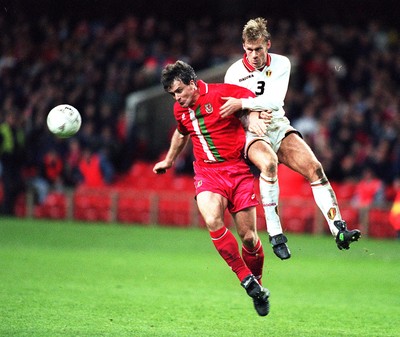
x: 267, y: 75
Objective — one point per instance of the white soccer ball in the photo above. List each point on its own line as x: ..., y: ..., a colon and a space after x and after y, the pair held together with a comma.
x: 64, y: 120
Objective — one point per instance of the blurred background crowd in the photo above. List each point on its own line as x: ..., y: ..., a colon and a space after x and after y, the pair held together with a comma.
x: 343, y: 94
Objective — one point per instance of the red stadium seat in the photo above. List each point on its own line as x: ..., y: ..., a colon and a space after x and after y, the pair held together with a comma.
x: 379, y: 225
x: 176, y: 209
x: 183, y: 183
x: 134, y: 207
x: 297, y: 215
x: 93, y: 204
x: 55, y: 206
x: 20, y: 206
x: 292, y: 183
x: 140, y: 169
x: 351, y: 215
x: 39, y: 212
x: 344, y: 191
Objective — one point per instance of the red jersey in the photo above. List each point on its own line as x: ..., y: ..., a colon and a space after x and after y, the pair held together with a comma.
x: 215, y: 139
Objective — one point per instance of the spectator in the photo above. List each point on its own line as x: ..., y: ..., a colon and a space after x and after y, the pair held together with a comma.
x: 12, y: 148
x: 369, y: 190
x: 49, y: 177
x: 71, y: 170
x: 95, y: 169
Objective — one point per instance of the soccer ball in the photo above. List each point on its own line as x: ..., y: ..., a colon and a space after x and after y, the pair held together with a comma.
x: 64, y: 120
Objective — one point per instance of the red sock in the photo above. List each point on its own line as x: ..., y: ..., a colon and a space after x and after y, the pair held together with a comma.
x: 228, y: 248
x: 254, y: 259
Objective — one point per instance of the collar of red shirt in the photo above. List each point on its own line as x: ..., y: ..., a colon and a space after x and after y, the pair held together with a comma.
x: 203, y: 87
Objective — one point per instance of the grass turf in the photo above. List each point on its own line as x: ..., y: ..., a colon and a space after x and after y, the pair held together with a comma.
x: 82, y: 279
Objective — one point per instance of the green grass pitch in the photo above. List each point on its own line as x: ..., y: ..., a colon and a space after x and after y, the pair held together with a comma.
x: 83, y: 279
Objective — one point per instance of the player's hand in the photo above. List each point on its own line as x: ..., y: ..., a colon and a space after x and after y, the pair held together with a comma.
x: 161, y: 167
x: 231, y: 106
x: 258, y: 126
x: 266, y: 115
x: 259, y: 121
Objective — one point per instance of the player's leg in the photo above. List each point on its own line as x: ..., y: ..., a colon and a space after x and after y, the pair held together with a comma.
x: 252, y: 249
x: 264, y: 158
x: 253, y: 255
x: 212, y: 207
x: 295, y: 153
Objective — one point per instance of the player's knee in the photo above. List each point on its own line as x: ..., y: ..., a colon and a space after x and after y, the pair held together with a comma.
x: 213, y: 223
x: 270, y: 169
x: 268, y: 166
x: 316, y: 171
x: 249, y: 239
x: 319, y: 170
x: 263, y: 157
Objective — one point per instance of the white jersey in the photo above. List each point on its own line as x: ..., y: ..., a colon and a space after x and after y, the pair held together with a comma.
x: 270, y: 84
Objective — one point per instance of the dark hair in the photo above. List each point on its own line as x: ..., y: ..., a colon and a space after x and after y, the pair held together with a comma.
x: 177, y: 71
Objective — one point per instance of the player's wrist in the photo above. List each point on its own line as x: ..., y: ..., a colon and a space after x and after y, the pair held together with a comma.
x: 243, y: 102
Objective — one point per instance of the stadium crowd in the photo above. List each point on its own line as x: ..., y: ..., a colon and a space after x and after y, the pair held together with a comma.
x: 344, y: 93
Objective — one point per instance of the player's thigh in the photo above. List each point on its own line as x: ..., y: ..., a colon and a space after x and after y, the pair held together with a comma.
x: 246, y: 225
x: 261, y: 154
x: 295, y: 153
x: 212, y: 207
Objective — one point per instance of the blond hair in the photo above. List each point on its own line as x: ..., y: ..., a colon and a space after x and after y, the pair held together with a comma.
x: 256, y: 29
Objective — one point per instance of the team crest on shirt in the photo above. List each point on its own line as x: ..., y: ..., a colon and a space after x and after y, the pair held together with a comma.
x: 268, y: 73
x: 209, y: 108
x: 183, y: 117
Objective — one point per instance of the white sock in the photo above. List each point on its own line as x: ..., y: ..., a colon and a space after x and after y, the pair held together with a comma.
x: 325, y: 199
x: 269, y: 190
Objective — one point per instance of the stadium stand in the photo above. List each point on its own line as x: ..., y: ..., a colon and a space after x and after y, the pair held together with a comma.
x: 345, y: 83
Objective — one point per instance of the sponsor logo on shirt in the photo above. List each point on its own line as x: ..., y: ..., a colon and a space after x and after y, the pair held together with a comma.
x: 246, y: 78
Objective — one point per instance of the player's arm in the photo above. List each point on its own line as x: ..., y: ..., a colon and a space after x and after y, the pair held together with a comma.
x: 233, y: 105
x: 232, y: 100
x: 178, y: 143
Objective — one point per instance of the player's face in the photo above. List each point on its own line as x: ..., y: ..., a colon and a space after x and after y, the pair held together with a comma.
x: 185, y: 94
x: 256, y: 52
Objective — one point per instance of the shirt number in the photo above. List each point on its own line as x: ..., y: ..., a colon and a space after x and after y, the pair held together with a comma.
x: 260, y: 88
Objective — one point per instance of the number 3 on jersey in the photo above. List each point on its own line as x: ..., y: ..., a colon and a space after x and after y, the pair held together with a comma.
x: 260, y: 88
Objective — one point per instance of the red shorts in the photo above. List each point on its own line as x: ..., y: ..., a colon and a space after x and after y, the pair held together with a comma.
x: 234, y: 181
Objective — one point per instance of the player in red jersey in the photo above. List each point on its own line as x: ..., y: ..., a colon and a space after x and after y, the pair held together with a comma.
x: 222, y: 178
x: 267, y: 75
